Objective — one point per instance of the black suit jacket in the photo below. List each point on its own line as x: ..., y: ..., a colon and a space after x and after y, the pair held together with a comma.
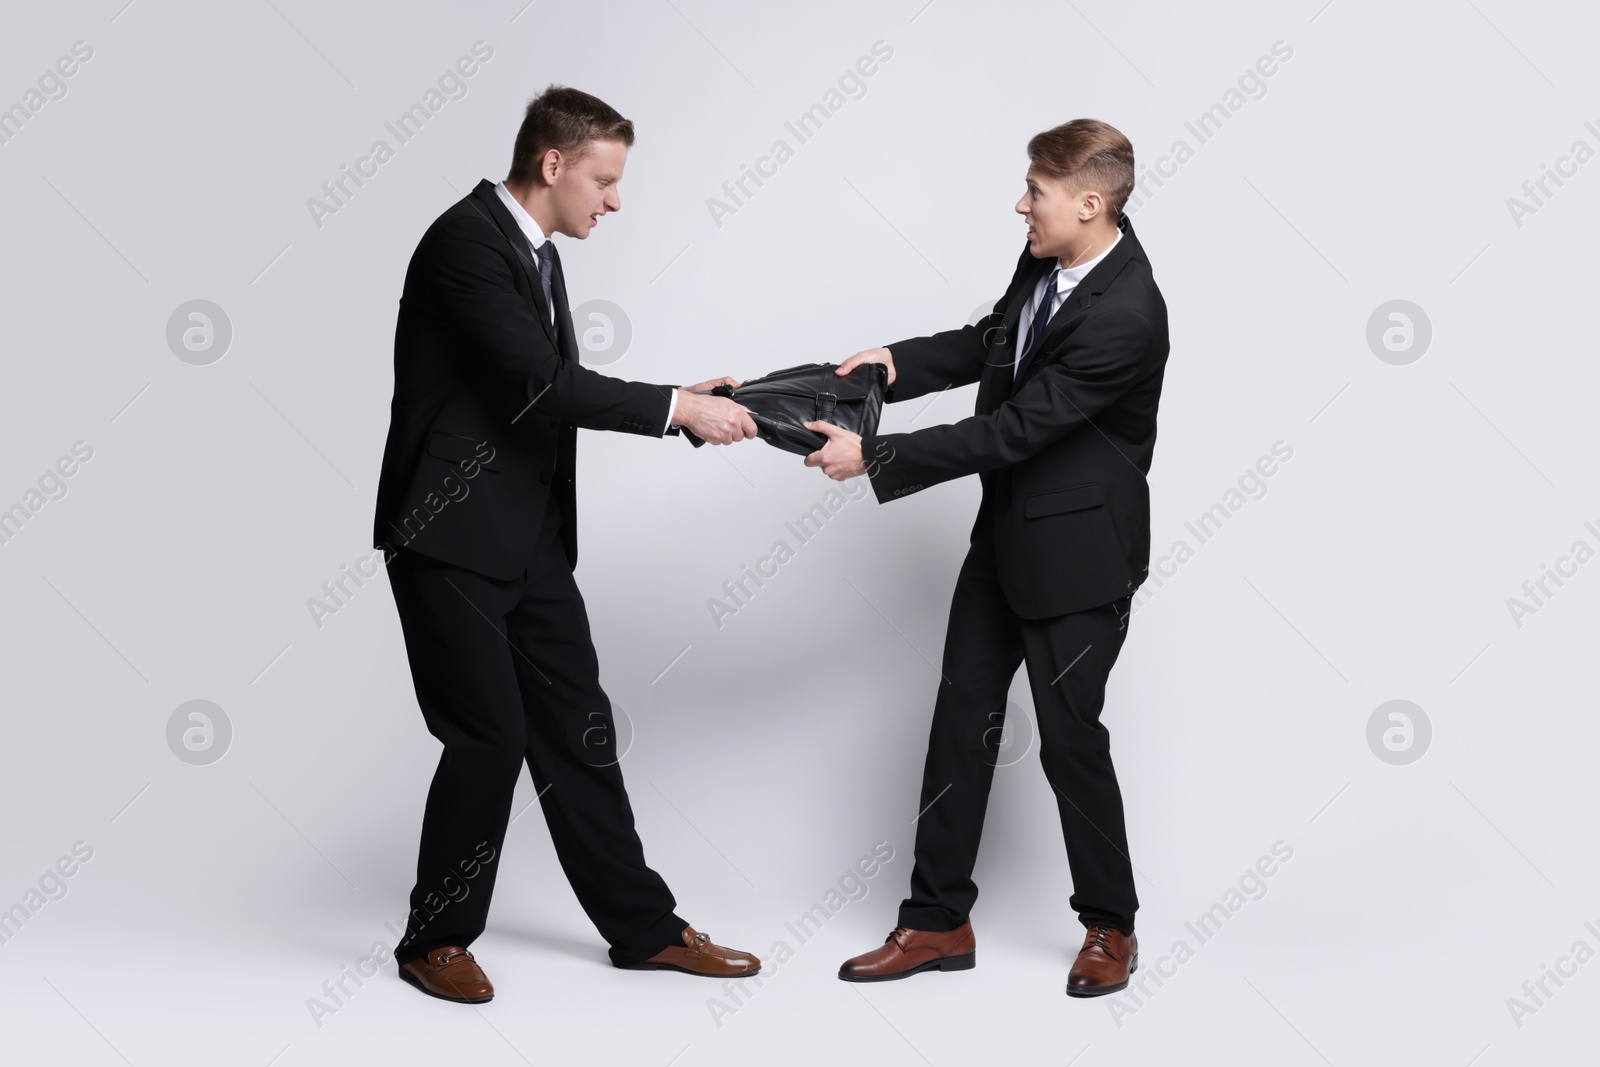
x: 488, y: 398
x: 1063, y: 454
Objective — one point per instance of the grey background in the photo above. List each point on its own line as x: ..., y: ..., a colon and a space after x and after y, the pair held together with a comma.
x: 1374, y: 165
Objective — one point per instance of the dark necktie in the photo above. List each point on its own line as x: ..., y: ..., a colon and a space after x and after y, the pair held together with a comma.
x: 1041, y: 318
x: 546, y: 253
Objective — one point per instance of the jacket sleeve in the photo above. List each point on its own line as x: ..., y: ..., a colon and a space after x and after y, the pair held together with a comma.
x: 950, y: 358
x: 470, y: 279
x: 1096, y: 365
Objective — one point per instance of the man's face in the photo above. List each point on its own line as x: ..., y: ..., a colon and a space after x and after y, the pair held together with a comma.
x: 586, y: 188
x: 1051, y: 210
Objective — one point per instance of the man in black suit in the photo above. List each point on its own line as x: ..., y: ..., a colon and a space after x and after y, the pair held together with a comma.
x: 477, y: 515
x: 1069, y: 365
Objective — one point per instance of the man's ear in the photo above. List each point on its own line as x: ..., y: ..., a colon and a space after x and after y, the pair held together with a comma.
x: 552, y: 164
x: 1089, y: 205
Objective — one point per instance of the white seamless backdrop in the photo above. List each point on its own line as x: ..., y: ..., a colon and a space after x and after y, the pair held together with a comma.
x: 1359, y: 778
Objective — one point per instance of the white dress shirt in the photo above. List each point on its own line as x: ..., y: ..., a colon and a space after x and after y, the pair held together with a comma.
x: 535, y: 235
x: 1059, y: 283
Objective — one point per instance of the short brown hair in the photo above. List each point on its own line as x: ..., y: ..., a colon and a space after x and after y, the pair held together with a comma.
x: 1087, y: 154
x: 567, y: 120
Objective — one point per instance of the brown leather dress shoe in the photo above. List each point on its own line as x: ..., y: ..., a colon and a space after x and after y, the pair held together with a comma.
x: 449, y: 973
x: 906, y: 952
x: 699, y: 956
x: 1104, y: 962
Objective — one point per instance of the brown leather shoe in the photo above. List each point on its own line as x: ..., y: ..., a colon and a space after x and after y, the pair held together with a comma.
x: 449, y: 973
x: 906, y: 952
x: 1104, y: 962
x: 699, y: 956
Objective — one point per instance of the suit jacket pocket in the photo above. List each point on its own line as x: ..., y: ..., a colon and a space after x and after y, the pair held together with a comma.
x: 455, y: 448
x: 1057, y: 501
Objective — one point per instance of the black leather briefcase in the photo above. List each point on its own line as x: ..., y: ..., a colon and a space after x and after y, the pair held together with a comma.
x: 781, y: 402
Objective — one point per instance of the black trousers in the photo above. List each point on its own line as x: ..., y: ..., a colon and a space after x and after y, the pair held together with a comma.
x: 505, y: 672
x: 1069, y: 658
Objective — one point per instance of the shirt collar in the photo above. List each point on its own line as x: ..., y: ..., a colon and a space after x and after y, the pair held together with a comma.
x: 1078, y: 273
x: 530, y: 228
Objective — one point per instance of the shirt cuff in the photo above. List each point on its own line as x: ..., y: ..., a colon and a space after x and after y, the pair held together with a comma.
x: 672, y: 406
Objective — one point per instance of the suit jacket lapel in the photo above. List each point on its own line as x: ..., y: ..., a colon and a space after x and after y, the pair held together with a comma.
x: 1002, y: 361
x: 488, y: 202
x: 1083, y: 295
